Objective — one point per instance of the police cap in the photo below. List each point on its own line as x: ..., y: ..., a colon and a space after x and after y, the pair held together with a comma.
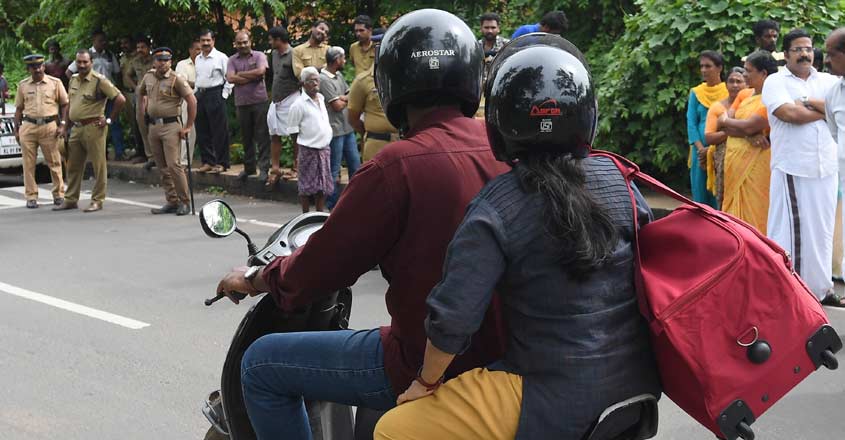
x: 33, y: 59
x: 162, y: 53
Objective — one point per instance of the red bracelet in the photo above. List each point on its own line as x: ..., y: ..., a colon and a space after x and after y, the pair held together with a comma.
x: 428, y: 386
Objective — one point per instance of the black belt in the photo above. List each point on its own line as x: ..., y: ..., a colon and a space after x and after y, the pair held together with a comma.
x: 40, y: 121
x: 379, y: 136
x: 157, y: 121
x: 209, y: 89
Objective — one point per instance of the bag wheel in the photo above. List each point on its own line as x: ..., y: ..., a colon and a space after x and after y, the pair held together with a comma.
x: 745, y: 431
x: 829, y: 360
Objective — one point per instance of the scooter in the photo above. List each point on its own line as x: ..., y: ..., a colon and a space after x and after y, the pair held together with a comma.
x: 633, y: 419
x: 225, y: 408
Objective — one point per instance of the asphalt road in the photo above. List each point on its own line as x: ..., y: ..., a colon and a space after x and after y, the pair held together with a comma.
x: 142, y: 370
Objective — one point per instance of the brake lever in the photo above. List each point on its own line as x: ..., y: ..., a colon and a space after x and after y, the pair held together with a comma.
x: 238, y: 295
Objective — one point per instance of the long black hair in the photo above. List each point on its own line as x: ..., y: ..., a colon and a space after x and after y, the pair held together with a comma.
x: 583, y: 231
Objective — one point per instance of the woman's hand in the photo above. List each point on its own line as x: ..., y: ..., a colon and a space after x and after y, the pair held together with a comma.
x: 414, y: 392
x: 702, y: 157
x: 759, y: 141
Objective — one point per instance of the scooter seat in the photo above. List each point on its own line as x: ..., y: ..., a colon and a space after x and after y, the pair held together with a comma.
x: 631, y: 419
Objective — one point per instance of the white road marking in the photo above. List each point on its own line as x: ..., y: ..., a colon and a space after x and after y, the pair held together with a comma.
x: 9, y: 202
x: 73, y: 307
x: 260, y: 223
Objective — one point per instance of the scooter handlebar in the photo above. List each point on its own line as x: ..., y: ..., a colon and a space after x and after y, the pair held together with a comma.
x: 237, y: 295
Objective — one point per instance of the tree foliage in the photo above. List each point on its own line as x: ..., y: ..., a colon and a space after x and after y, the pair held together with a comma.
x: 646, y: 77
x: 643, y: 53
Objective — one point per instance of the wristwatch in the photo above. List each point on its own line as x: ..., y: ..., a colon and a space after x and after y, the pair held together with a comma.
x: 251, y: 273
x: 805, y: 100
x: 108, y: 121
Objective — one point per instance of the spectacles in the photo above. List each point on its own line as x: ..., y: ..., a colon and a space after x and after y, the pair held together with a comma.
x: 801, y: 50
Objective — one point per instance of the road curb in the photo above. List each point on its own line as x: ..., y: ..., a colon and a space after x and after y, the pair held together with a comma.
x: 284, y: 191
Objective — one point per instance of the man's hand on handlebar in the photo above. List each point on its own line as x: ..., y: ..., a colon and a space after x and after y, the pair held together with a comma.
x: 234, y: 283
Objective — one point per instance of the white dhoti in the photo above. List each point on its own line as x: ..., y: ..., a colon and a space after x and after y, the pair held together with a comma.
x: 192, y: 136
x: 802, y: 215
x: 841, y: 192
x: 277, y: 115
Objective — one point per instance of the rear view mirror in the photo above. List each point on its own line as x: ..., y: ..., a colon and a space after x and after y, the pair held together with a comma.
x: 218, y: 219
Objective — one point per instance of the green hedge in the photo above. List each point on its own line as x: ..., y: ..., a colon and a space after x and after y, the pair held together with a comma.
x: 645, y: 78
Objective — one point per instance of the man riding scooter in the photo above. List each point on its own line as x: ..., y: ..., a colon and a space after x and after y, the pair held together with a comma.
x: 399, y: 212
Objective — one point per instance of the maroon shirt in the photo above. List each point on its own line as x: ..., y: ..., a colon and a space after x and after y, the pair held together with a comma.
x: 254, y: 92
x: 400, y: 211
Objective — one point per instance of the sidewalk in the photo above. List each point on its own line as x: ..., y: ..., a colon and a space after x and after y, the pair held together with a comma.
x: 285, y: 190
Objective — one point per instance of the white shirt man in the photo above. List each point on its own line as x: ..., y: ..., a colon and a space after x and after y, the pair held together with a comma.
x: 211, y: 72
x: 188, y: 69
x: 803, y: 186
x: 835, y: 114
x: 310, y: 121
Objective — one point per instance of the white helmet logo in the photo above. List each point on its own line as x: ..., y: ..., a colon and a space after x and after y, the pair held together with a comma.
x: 433, y: 63
x: 546, y: 126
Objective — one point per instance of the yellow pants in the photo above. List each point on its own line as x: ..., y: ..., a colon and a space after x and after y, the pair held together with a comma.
x: 86, y: 143
x: 479, y: 404
x: 32, y: 136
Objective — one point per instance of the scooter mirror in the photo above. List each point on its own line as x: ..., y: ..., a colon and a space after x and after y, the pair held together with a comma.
x: 218, y: 219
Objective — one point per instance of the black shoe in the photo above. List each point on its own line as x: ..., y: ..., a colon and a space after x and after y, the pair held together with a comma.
x: 166, y: 209
x: 58, y: 201
x: 149, y: 165
x: 32, y: 204
x: 183, y: 209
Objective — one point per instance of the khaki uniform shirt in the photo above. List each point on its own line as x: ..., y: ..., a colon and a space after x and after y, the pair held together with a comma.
x: 42, y: 99
x: 304, y: 55
x: 126, y: 66
x: 164, y: 95
x: 137, y: 69
x: 88, y: 95
x: 362, y: 59
x: 363, y: 97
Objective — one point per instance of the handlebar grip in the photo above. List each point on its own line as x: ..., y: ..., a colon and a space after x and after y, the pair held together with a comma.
x: 238, y: 295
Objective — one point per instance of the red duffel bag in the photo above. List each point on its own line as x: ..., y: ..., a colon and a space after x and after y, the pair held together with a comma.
x: 733, y: 327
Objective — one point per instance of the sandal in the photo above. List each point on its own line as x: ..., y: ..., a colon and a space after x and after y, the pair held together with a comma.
x: 289, y: 175
x: 272, y: 178
x: 834, y: 300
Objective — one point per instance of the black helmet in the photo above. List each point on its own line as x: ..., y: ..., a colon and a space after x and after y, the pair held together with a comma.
x: 424, y: 56
x: 540, y: 97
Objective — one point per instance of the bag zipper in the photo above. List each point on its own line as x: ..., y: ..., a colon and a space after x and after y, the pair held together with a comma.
x: 694, y: 293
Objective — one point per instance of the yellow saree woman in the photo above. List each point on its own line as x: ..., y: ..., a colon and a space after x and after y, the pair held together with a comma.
x: 747, y: 171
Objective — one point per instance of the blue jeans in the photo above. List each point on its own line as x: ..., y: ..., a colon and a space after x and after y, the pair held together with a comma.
x: 343, y: 147
x: 116, y: 130
x: 279, y: 370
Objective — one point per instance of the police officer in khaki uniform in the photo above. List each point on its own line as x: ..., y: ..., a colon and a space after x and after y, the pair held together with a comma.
x: 162, y: 91
x: 377, y: 131
x: 40, y: 110
x: 313, y: 51
x: 132, y: 75
x: 141, y: 64
x: 88, y: 93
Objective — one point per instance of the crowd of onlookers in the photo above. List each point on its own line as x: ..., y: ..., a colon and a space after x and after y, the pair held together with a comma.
x: 767, y: 141
x: 316, y: 108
